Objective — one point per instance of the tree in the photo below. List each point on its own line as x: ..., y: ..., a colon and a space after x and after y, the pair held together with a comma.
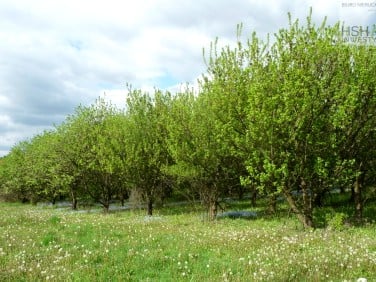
x: 93, y: 149
x: 355, y: 121
x: 50, y: 182
x: 145, y: 144
x: 195, y: 143
x: 226, y: 85
x: 17, y: 181
x: 299, y: 88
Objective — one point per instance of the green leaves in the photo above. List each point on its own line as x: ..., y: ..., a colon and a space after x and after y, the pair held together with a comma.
x: 294, y: 115
x: 306, y: 102
x: 146, y: 147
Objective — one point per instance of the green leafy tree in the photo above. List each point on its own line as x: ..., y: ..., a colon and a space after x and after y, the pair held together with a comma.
x: 195, y: 143
x: 145, y: 146
x: 300, y: 85
x: 46, y: 167
x: 354, y: 120
x: 180, y: 144
x: 17, y: 181
x: 92, y: 148
x: 226, y: 85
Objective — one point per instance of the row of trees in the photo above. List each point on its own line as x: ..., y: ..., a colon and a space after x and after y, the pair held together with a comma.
x: 293, y: 117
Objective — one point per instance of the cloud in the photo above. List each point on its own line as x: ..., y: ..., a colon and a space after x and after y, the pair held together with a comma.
x: 58, y: 54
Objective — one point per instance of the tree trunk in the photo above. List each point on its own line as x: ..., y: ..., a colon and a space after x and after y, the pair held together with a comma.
x: 150, y: 207
x: 272, y: 205
x: 305, y: 219
x: 307, y: 205
x: 254, y: 197
x: 209, y: 197
x: 240, y: 193
x: 34, y: 200
x: 74, y: 203
x: 123, y: 196
x: 73, y: 197
x: 318, y: 199
x: 106, y: 208
x: 213, y: 209
x: 308, y: 221
x: 352, y: 197
x: 358, y: 200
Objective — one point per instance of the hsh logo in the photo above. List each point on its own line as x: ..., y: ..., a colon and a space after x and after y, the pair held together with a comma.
x: 359, y: 31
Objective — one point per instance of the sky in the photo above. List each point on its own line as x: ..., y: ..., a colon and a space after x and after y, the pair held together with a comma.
x: 56, y: 55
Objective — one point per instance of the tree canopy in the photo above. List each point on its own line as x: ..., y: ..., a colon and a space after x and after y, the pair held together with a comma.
x: 292, y: 116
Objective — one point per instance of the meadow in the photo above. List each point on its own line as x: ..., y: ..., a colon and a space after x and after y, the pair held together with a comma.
x: 49, y: 244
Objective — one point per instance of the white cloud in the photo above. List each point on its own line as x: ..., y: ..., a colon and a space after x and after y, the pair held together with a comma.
x: 58, y: 54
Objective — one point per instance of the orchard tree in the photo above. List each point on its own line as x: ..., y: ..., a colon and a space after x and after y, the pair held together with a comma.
x: 303, y: 110
x: 354, y: 119
x: 195, y: 143
x: 92, y: 147
x: 31, y: 171
x: 180, y: 144
x: 145, y: 146
x: 72, y: 150
x: 47, y: 167
x: 226, y: 85
x: 17, y: 180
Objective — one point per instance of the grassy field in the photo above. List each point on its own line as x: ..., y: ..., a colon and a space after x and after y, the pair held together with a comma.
x: 40, y: 244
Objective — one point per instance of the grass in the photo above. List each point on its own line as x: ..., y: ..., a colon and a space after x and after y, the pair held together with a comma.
x: 46, y: 244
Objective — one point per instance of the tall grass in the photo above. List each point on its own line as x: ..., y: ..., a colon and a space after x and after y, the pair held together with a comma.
x: 40, y: 244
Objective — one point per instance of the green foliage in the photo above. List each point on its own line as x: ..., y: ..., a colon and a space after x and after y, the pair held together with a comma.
x: 290, y: 117
x: 146, y: 147
x: 17, y: 180
x: 300, y: 87
x: 51, y: 181
x: 195, y: 144
x: 336, y: 220
x: 92, y: 144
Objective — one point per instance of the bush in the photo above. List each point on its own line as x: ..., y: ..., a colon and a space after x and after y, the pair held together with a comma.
x: 336, y: 220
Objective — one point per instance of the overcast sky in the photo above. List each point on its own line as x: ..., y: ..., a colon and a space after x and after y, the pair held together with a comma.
x: 55, y: 55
